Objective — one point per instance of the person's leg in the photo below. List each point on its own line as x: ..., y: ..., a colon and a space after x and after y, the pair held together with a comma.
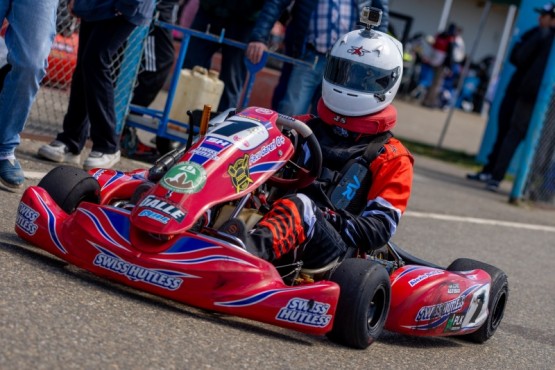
x: 506, y: 110
x: 106, y: 39
x: 199, y: 51
x: 233, y: 73
x: 517, y: 132
x: 75, y: 129
x: 303, y: 81
x: 281, y: 87
x: 28, y: 39
x: 159, y: 57
x: 296, y: 226
x: 3, y: 72
x: 432, y: 95
x: 233, y: 70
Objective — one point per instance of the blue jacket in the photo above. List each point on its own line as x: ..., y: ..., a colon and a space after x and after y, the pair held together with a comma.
x: 297, y: 30
x: 138, y: 12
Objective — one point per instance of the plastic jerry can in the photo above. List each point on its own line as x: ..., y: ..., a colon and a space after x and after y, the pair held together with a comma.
x: 196, y: 88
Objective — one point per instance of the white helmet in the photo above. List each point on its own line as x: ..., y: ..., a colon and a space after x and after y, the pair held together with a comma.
x: 363, y: 73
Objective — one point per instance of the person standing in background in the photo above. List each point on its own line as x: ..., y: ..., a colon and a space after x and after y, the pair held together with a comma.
x: 441, y: 60
x: 158, y: 57
x: 105, y: 26
x: 29, y: 36
x: 529, y: 55
x: 238, y: 19
x: 314, y: 27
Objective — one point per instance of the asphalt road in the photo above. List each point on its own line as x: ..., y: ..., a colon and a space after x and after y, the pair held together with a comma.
x: 55, y: 316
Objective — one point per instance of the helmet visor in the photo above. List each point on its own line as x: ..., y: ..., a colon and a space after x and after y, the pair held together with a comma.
x: 359, y: 76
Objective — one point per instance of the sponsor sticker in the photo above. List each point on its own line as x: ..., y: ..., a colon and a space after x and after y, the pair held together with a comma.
x: 441, y: 309
x: 135, y: 272
x: 26, y: 217
x: 423, y: 277
x: 305, y: 312
x: 162, y: 206
x: 454, y: 323
x: 264, y: 111
x: 186, y: 178
x: 239, y: 172
x: 453, y: 288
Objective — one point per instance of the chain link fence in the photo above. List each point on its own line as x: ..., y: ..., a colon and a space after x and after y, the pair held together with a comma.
x: 50, y: 106
x: 540, y: 186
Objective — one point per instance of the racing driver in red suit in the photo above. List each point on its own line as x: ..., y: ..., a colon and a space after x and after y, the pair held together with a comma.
x: 367, y: 176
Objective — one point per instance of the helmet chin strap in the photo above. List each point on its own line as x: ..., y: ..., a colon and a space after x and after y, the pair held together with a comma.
x: 370, y: 124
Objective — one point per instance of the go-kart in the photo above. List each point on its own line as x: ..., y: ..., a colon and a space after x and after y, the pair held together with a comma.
x: 161, y: 230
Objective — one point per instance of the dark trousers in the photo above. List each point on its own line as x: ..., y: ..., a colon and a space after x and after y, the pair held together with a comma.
x: 233, y: 69
x: 159, y: 56
x: 518, y: 128
x: 506, y: 110
x: 91, y: 100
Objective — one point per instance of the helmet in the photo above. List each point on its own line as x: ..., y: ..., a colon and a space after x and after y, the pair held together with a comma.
x: 363, y: 73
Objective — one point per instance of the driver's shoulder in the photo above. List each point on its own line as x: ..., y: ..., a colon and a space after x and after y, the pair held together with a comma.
x: 393, y: 148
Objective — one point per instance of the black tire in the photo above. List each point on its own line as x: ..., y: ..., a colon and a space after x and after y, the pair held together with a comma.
x: 499, y: 294
x: 68, y: 186
x: 364, y: 298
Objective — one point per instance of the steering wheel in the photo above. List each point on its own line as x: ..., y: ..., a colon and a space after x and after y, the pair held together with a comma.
x: 302, y: 176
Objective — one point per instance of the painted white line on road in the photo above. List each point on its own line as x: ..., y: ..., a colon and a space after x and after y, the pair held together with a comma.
x: 32, y: 175
x: 480, y: 221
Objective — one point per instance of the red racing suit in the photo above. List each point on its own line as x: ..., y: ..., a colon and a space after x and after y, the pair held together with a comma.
x: 311, y: 220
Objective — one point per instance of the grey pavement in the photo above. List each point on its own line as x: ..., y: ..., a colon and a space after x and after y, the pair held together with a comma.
x: 55, y: 316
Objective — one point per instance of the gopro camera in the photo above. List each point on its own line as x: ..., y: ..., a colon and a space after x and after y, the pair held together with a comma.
x: 371, y: 17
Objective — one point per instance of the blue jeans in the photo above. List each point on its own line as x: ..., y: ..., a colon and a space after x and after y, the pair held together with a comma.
x: 303, y: 82
x: 28, y: 39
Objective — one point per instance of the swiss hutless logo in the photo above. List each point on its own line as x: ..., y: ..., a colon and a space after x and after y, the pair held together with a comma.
x: 441, y: 309
x: 135, y: 272
x: 305, y: 312
x: 26, y: 217
x: 186, y: 178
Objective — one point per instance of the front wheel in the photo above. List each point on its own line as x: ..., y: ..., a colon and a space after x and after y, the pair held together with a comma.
x: 364, y: 298
x: 68, y: 186
x: 499, y: 294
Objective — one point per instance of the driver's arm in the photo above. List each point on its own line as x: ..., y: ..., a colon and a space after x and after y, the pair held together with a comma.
x: 387, y: 200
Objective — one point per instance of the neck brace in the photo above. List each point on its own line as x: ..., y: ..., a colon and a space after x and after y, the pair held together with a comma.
x: 371, y: 124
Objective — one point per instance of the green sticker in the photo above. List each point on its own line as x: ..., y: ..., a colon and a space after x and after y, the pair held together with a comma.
x: 186, y: 177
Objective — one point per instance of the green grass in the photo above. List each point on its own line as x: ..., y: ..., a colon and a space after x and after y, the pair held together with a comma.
x: 451, y: 156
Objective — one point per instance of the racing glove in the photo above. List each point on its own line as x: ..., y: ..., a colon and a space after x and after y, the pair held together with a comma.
x: 334, y: 218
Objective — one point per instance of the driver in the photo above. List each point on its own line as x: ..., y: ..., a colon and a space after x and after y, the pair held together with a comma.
x: 367, y: 176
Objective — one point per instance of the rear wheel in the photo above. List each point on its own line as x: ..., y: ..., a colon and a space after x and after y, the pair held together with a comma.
x: 68, y: 186
x: 365, y: 294
x: 499, y: 295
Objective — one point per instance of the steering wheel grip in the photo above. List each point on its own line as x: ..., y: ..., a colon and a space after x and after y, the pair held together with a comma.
x: 305, y: 176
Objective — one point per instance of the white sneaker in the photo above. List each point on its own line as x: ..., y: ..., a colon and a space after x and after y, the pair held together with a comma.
x: 101, y: 160
x: 57, y: 151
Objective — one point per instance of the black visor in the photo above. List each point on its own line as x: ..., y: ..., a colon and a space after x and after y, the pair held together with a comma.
x: 359, y: 76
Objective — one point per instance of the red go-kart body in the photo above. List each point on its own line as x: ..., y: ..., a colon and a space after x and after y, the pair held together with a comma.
x: 153, y: 245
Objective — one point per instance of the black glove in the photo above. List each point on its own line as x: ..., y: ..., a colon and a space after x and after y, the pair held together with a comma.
x: 333, y: 218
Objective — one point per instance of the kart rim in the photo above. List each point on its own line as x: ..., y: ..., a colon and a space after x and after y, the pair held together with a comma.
x: 498, y: 309
x: 376, y: 308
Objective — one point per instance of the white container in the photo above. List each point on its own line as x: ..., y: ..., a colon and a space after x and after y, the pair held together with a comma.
x: 196, y: 88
